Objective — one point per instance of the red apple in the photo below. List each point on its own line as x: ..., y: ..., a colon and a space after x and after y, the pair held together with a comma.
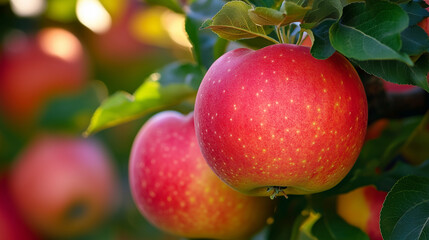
x: 176, y: 191
x: 12, y: 226
x: 279, y: 119
x: 307, y: 42
x: 361, y: 208
x: 63, y: 185
x: 36, y: 68
x: 425, y: 22
x: 397, y: 88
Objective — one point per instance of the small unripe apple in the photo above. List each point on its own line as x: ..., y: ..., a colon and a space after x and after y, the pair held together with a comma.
x: 278, y: 121
x: 63, y: 186
x: 361, y: 208
x: 34, y: 69
x: 176, y: 191
x: 12, y: 226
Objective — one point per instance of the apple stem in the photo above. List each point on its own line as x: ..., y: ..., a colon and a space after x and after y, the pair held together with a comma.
x: 277, y: 190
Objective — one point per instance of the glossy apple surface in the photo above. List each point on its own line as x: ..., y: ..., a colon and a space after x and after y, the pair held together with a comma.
x: 176, y: 191
x: 34, y: 69
x: 278, y: 117
x: 361, y: 208
x: 63, y: 186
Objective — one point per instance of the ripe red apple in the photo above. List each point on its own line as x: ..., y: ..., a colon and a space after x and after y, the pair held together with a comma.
x: 425, y: 22
x: 176, y: 191
x: 361, y: 208
x: 279, y: 119
x: 12, y: 226
x: 36, y: 68
x: 62, y: 185
x: 307, y: 42
x: 397, y: 88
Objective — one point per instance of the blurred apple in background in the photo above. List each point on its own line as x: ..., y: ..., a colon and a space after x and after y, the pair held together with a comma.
x: 425, y: 22
x: 12, y: 226
x: 397, y: 88
x: 63, y: 186
x: 361, y: 208
x: 132, y: 41
x: 112, y: 40
x: 34, y: 69
x: 375, y: 129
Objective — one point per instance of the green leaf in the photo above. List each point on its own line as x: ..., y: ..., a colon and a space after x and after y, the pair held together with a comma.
x: 266, y: 16
x: 180, y: 73
x: 232, y: 22
x: 371, y: 31
x: 330, y: 226
x: 203, y: 41
x: 72, y: 112
x: 170, y: 87
x: 290, y: 12
x: 415, y: 40
x: 173, y: 5
x: 399, y: 72
x: 405, y: 212
x: 416, y: 150
x: 321, y: 10
x: 256, y: 43
x: 288, y: 212
x: 220, y: 47
x: 322, y: 48
x: 415, y: 12
x: 293, y: 12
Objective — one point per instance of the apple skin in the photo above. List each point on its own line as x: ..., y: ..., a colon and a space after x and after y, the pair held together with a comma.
x: 63, y: 186
x: 12, y: 226
x: 278, y: 117
x: 176, y: 191
x: 34, y: 69
x: 361, y: 208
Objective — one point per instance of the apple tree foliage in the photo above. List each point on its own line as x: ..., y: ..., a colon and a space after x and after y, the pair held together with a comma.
x: 382, y: 40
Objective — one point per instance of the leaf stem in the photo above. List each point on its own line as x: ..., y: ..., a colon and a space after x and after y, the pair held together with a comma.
x: 283, y: 31
x: 301, y: 34
x: 247, y: 1
x: 288, y: 33
x: 279, y: 34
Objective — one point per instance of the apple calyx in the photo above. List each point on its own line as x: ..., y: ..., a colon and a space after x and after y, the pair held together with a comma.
x: 77, y: 211
x: 277, y: 190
